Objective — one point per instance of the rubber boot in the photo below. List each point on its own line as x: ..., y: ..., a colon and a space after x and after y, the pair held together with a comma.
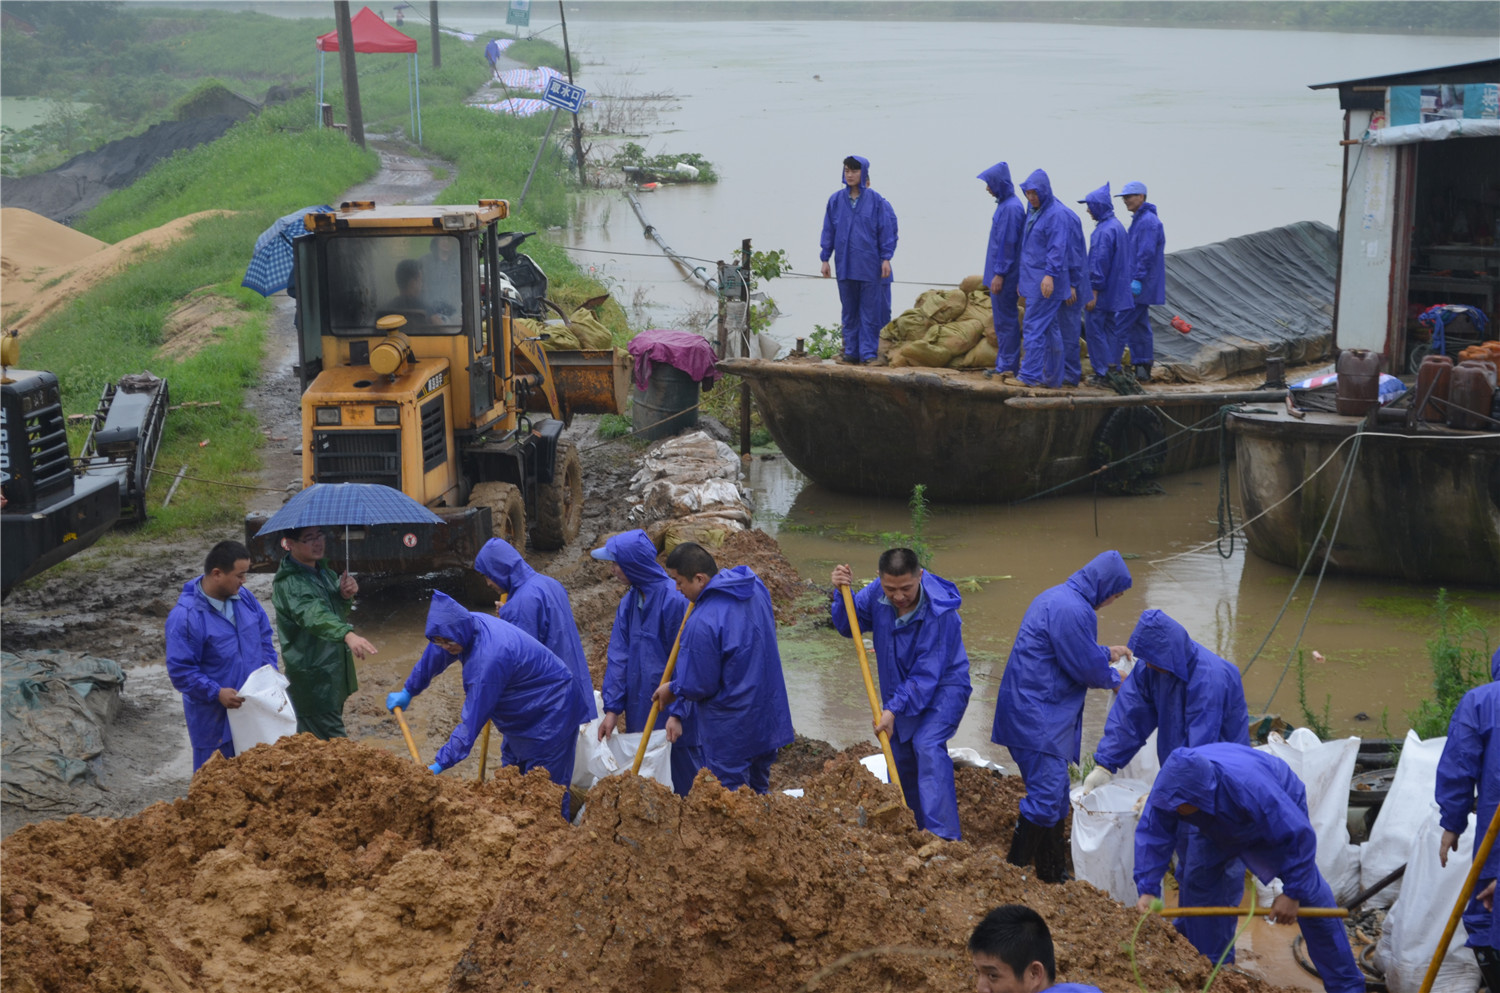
x: 1051, y: 856
x: 1142, y: 373
x: 1023, y: 844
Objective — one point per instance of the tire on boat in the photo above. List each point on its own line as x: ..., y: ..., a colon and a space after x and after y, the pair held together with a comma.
x: 1135, y: 438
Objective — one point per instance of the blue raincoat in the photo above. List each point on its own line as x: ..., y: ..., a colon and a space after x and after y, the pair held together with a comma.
x: 1044, y: 252
x: 1055, y: 659
x: 1002, y: 257
x: 730, y: 666
x: 205, y: 652
x: 1148, y: 266
x: 1470, y: 766
x: 1070, y: 317
x: 924, y: 681
x: 510, y: 678
x: 858, y: 235
x: 1109, y: 277
x: 538, y: 605
x: 1188, y: 696
x: 1250, y: 806
x: 646, y: 626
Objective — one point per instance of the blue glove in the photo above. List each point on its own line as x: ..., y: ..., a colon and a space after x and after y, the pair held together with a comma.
x: 1135, y: 287
x: 436, y: 769
x: 400, y: 698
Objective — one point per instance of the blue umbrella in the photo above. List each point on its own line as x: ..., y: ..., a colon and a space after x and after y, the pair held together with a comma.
x: 349, y: 505
x: 271, y: 265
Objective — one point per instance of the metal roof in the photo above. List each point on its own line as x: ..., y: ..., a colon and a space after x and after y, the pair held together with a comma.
x: 1360, y: 94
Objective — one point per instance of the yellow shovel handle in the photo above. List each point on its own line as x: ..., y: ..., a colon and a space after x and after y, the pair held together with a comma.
x: 411, y: 745
x: 666, y: 677
x: 864, y: 667
x: 484, y: 741
x: 1244, y: 911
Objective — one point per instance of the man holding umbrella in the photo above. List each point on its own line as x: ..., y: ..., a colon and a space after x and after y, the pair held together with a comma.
x: 318, y: 644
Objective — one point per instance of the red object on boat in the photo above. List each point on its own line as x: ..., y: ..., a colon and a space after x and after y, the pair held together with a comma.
x: 1181, y: 325
x: 648, y: 186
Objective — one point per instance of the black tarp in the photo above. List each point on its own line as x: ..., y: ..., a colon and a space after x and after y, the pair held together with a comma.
x: 1265, y: 293
x: 56, y: 705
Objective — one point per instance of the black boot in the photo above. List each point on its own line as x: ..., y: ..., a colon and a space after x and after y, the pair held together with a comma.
x: 1051, y: 854
x: 1023, y: 844
x: 1143, y: 373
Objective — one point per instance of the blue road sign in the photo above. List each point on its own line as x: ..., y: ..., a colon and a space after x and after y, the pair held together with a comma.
x: 561, y: 93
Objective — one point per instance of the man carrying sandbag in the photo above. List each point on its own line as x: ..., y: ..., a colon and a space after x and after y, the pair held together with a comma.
x: 730, y: 667
x: 510, y: 678
x: 924, y: 676
x: 859, y: 228
x: 1002, y: 264
x: 1110, y: 304
x: 217, y: 635
x: 1039, y: 711
x: 1468, y: 775
x: 1045, y: 262
x: 646, y: 626
x: 1188, y: 696
x: 1249, y: 806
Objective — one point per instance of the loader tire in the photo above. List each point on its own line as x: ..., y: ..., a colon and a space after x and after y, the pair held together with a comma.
x: 559, y: 504
x: 507, y: 511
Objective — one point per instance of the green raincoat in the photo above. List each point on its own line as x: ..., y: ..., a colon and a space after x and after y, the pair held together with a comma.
x: 311, y: 620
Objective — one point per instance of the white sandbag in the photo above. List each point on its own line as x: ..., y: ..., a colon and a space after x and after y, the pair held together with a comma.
x: 1144, y: 765
x: 1325, y: 768
x: 1104, y: 836
x: 266, y: 715
x: 615, y: 755
x: 876, y: 764
x: 675, y: 498
x: 1401, y: 816
x: 587, y: 735
x: 972, y: 759
x: 1410, y: 935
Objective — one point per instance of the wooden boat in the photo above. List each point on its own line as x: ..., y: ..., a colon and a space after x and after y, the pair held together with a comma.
x: 882, y: 430
x: 1423, y: 504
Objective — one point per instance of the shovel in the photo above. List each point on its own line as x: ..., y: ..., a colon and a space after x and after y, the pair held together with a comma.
x: 666, y: 677
x: 1242, y: 911
x: 406, y: 733
x: 864, y: 667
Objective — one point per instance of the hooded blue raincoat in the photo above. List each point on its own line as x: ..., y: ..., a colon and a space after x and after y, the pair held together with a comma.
x: 1468, y: 771
x: 924, y: 681
x: 205, y: 652
x: 538, y: 605
x: 1044, y: 252
x: 1002, y: 258
x: 1055, y: 659
x: 1250, y: 806
x: 1188, y: 696
x: 858, y: 235
x: 1109, y: 277
x: 730, y: 666
x: 1148, y: 266
x: 1070, y: 317
x: 509, y: 678
x: 646, y: 626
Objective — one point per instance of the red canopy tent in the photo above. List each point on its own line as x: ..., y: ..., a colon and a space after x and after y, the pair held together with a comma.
x: 373, y: 36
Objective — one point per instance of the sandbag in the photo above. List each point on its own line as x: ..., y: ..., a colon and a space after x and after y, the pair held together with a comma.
x: 1144, y: 765
x: 1409, y: 937
x: 588, y: 331
x: 1103, y: 836
x: 921, y: 353
x: 674, y: 498
x: 1401, y: 815
x: 929, y: 302
x: 981, y: 356
x: 1325, y: 769
x: 710, y: 529
x: 616, y: 753
x: 956, y: 336
x: 952, y: 307
x: 971, y: 284
x: 266, y: 716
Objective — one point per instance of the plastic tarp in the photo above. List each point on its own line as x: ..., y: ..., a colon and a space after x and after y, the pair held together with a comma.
x: 56, y: 705
x: 1103, y: 836
x: 1409, y: 937
x: 1410, y: 134
x: 1407, y: 806
x: 1265, y: 293
x: 1326, y: 769
x: 266, y: 716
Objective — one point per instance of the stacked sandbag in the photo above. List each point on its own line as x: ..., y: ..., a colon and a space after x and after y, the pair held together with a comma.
x: 688, y: 490
x: 582, y: 330
x: 952, y: 328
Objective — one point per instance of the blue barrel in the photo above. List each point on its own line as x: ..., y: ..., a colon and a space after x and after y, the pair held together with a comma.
x: 668, y: 405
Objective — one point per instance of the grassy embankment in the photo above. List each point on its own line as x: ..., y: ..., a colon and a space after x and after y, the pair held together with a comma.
x: 262, y: 169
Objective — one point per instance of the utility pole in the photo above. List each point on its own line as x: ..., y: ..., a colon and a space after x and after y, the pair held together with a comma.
x: 352, y: 111
x: 745, y: 348
x: 437, y: 44
x: 568, y: 54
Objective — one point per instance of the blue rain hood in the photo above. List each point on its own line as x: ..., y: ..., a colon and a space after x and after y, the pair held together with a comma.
x: 1102, y: 578
x: 1163, y: 642
x: 646, y: 625
x: 741, y: 582
x: 498, y: 560
x: 997, y: 178
x: 1039, y: 182
x: 1099, y: 203
x: 864, y: 171
x: 634, y: 553
x: 447, y: 618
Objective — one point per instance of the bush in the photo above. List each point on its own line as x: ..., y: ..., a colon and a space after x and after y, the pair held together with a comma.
x: 1460, y: 657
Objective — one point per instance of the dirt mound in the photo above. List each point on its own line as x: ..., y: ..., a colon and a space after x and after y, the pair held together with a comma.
x: 761, y: 553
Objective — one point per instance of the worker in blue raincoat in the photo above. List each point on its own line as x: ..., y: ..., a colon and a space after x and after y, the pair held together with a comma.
x: 1002, y: 265
x: 1246, y: 805
x: 1148, y: 275
x: 730, y: 667
x: 646, y: 626
x: 1110, y: 305
x: 1043, y: 280
x: 1012, y: 952
x: 924, y: 676
x: 217, y: 635
x: 1070, y: 317
x: 1039, y: 711
x: 1188, y: 696
x: 859, y: 233
x: 509, y: 678
x: 1468, y: 776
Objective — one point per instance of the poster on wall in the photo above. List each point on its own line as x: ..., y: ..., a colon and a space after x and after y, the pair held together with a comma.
x: 1425, y: 104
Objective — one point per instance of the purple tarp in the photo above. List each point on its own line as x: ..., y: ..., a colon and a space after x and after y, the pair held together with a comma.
x: 680, y: 349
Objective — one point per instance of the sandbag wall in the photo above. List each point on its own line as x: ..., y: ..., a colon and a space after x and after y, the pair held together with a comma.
x: 953, y: 328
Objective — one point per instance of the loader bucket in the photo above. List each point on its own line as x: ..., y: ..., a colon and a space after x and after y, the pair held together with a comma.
x: 588, y: 381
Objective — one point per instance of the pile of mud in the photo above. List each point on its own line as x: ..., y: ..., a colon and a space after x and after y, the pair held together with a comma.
x: 334, y: 865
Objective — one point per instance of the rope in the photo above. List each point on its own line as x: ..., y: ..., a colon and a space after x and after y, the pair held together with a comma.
x: 694, y: 258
